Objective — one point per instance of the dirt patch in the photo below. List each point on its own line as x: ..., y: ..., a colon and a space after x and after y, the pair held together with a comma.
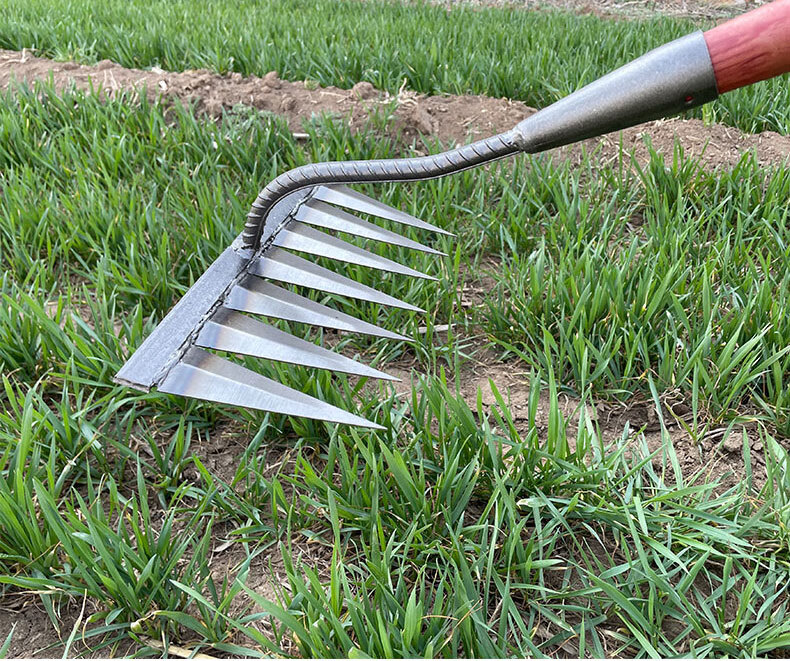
x: 450, y: 119
x: 34, y: 635
x: 715, y: 145
x: 623, y: 9
x: 706, y: 455
x: 713, y: 454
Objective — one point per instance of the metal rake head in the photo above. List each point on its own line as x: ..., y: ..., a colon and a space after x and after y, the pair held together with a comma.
x: 177, y: 357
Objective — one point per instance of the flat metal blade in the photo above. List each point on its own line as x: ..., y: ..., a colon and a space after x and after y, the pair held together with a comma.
x: 258, y: 296
x: 324, y: 215
x: 203, y: 375
x: 232, y: 331
x: 306, y: 239
x: 281, y: 265
x: 144, y: 368
x: 350, y: 199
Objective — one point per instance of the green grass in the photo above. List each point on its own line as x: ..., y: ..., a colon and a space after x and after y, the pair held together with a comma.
x: 536, y: 57
x: 454, y: 532
x: 674, y: 275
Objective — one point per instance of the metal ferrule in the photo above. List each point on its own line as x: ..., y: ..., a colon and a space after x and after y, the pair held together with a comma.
x: 672, y: 78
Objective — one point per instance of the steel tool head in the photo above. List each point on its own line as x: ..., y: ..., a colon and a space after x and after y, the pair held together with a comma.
x: 223, y: 310
x: 295, y: 212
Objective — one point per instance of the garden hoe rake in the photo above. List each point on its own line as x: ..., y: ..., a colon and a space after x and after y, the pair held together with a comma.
x: 248, y: 278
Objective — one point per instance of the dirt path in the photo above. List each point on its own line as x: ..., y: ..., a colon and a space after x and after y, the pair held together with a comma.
x: 701, y: 9
x: 451, y: 119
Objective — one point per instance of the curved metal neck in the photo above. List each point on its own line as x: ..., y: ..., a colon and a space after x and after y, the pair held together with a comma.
x: 665, y: 81
x: 351, y: 172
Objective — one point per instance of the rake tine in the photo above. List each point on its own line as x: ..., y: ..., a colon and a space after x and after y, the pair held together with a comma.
x: 260, y: 297
x: 323, y: 215
x: 235, y: 332
x: 284, y: 266
x: 203, y: 375
x: 311, y: 241
x: 350, y: 199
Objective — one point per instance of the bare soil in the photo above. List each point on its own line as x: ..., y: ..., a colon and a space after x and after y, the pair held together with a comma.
x: 451, y: 120
x: 702, y: 9
x: 33, y: 633
x: 713, y: 454
x: 35, y: 636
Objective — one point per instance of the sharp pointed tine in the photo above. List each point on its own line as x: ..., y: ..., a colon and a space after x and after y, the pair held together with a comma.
x: 203, y: 375
x: 321, y: 214
x: 306, y: 239
x: 281, y: 265
x: 350, y: 199
x: 235, y: 332
x: 260, y: 297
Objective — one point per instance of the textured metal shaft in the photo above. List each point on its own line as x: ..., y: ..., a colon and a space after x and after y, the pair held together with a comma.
x: 396, y: 169
x: 665, y: 81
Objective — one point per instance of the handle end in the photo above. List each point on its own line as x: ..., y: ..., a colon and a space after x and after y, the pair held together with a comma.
x: 751, y: 47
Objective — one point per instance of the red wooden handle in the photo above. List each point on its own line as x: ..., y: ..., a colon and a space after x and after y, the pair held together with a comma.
x: 751, y: 47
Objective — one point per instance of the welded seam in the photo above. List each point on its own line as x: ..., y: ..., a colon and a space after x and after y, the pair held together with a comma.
x: 176, y: 357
